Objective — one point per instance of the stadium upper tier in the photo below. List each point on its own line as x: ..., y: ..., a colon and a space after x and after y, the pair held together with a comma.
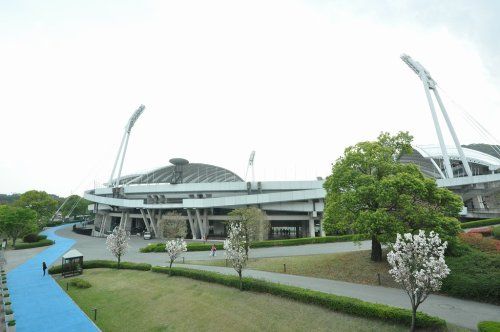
x: 430, y: 160
x: 185, y: 173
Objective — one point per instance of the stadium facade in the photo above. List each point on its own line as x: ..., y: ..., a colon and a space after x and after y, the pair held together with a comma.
x: 205, y: 194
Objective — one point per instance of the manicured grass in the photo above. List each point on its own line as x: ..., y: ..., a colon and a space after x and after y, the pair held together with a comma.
x: 351, y: 267
x: 145, y: 301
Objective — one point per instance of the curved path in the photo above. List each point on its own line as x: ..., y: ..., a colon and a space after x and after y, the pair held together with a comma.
x: 39, y: 304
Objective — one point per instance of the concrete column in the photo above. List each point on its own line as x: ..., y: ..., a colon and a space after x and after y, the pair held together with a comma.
x: 311, y: 228
x: 200, y: 223
x: 122, y: 219
x: 321, y: 230
x: 145, y: 219
x: 194, y: 231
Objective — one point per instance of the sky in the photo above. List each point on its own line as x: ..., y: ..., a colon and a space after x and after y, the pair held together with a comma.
x: 296, y: 81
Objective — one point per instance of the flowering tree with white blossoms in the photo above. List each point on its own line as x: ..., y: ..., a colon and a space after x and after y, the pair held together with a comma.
x: 117, y: 243
x: 174, y: 249
x: 418, y: 264
x: 234, y: 247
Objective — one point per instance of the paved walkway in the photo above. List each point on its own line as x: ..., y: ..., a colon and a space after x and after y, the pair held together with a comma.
x: 39, y: 304
x: 455, y: 311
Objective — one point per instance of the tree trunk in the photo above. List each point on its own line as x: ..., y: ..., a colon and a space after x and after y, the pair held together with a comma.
x: 413, y: 319
x: 170, y: 270
x: 241, y: 282
x: 14, y: 241
x: 119, y: 262
x: 376, y: 250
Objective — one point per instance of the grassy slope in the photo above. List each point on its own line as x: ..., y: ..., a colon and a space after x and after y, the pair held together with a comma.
x: 145, y: 301
x: 352, y: 267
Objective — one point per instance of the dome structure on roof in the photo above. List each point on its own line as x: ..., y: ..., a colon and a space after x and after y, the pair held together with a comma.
x: 184, y: 172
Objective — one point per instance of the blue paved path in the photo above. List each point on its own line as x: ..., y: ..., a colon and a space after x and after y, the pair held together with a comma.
x: 39, y: 304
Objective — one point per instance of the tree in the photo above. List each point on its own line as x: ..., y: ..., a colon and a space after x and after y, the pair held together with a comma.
x: 174, y: 249
x: 371, y: 192
x: 173, y: 225
x: 117, y: 243
x: 234, y: 247
x: 40, y: 202
x: 253, y: 222
x: 16, y: 222
x: 418, y: 264
x: 75, y: 205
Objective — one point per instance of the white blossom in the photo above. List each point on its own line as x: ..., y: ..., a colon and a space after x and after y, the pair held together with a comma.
x: 234, y: 247
x: 175, y: 248
x: 117, y: 243
x: 417, y: 263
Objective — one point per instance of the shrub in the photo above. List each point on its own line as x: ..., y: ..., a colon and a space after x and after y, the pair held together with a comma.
x: 12, y: 323
x: 496, y: 232
x: 80, y: 283
x: 475, y: 275
x: 30, y: 238
x: 333, y: 302
x: 195, y: 246
x: 9, y: 312
x: 53, y: 223
x: 94, y: 264
x: 485, y: 231
x: 41, y: 243
x: 477, y: 241
x: 479, y: 223
x: 488, y: 326
x: 7, y: 303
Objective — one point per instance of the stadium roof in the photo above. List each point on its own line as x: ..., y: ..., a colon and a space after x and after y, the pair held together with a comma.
x: 191, y: 173
x: 474, y: 156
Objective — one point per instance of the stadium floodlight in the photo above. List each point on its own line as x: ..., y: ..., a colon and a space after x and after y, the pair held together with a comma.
x: 419, y: 70
x: 134, y: 117
x: 430, y: 85
x: 123, y: 145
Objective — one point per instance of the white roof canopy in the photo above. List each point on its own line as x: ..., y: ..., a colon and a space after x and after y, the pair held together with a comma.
x: 73, y: 253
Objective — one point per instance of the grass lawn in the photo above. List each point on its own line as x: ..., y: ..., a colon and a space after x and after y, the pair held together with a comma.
x: 350, y: 266
x: 145, y: 301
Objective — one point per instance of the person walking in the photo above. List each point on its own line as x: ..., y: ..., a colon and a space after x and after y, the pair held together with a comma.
x: 213, y: 250
x: 44, y: 268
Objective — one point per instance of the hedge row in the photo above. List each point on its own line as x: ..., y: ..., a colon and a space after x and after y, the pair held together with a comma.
x: 479, y: 223
x: 488, y: 326
x: 333, y: 302
x: 33, y: 237
x: 195, y: 246
x: 41, y: 243
x: 94, y: 264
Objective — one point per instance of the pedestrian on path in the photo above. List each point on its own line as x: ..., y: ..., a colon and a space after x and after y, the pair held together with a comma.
x: 213, y: 250
x: 44, y: 268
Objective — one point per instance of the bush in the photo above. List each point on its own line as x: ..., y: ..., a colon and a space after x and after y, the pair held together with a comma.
x: 80, y: 283
x: 9, y: 312
x: 53, y: 223
x: 496, y: 232
x: 195, y: 246
x: 12, y: 323
x: 479, y: 223
x: 94, y: 264
x: 475, y: 275
x: 41, y: 243
x: 488, y: 326
x: 7, y: 303
x: 333, y: 302
x: 477, y: 241
x: 30, y: 238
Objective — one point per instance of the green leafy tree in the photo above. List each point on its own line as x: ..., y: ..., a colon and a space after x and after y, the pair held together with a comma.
x: 39, y: 201
x: 370, y: 192
x: 74, y: 206
x: 15, y: 222
x: 254, y: 224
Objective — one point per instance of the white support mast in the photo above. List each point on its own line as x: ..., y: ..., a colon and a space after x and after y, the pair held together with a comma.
x: 430, y: 85
x: 123, y: 145
x: 250, y: 165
